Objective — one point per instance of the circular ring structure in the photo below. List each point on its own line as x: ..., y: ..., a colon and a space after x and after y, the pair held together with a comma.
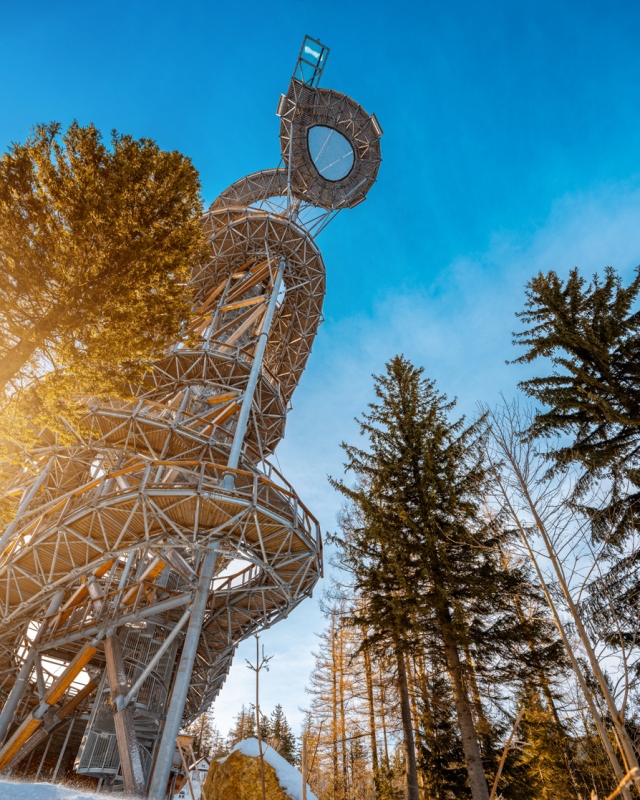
x: 253, y: 188
x: 306, y: 108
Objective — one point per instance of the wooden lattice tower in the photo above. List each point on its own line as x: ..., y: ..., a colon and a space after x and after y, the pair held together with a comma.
x: 142, y: 554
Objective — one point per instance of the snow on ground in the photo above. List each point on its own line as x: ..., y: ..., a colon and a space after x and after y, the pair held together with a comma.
x: 288, y: 776
x: 14, y: 790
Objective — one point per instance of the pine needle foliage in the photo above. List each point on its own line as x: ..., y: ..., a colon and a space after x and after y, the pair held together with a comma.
x: 281, y: 737
x: 426, y: 555
x: 97, y: 242
x: 590, y: 332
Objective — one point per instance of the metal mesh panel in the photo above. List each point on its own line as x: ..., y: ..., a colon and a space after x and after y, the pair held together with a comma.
x: 331, y: 152
x: 98, y: 753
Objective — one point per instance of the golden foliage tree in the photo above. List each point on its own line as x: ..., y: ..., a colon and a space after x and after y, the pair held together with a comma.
x: 97, y: 242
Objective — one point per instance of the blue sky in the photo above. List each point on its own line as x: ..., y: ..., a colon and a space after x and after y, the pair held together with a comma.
x: 512, y: 145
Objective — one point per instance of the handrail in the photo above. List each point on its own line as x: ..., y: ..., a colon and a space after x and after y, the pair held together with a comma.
x: 47, y: 509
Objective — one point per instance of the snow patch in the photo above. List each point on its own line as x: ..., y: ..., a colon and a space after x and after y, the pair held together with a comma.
x: 288, y: 776
x: 14, y: 790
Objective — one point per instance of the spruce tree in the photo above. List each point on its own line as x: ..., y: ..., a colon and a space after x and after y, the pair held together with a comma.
x: 440, y: 754
x: 265, y: 724
x: 591, y: 335
x: 207, y: 742
x: 281, y: 737
x: 425, y: 556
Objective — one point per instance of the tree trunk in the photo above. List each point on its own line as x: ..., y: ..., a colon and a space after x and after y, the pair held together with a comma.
x: 343, y: 721
x: 482, y: 723
x: 407, y: 726
x: 334, y: 709
x: 477, y: 778
x: 383, y: 717
x: 18, y: 355
x: 431, y: 778
x: 410, y: 665
x: 372, y: 719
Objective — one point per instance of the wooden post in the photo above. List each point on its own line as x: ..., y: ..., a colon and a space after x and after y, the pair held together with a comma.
x: 258, y: 731
x: 130, y: 762
x: 184, y: 743
x: 260, y: 664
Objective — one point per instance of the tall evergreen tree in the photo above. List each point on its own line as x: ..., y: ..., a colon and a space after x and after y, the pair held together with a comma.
x: 280, y: 736
x: 97, y: 242
x: 440, y: 754
x: 591, y: 335
x: 425, y: 555
x: 207, y: 742
x: 244, y: 728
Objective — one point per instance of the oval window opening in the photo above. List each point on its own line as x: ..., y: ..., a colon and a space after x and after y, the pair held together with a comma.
x: 331, y: 152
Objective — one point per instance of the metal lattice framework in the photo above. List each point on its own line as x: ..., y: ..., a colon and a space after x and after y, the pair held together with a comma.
x: 140, y: 556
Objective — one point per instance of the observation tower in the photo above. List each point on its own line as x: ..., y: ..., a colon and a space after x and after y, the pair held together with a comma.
x: 144, y: 552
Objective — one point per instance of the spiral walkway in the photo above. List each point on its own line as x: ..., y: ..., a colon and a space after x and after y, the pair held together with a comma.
x: 141, y: 554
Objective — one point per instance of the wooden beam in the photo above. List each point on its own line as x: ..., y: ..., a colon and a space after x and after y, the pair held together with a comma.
x: 128, y: 750
x: 221, y: 398
x: 71, y: 672
x: 130, y: 763
x: 249, y: 282
x: 152, y: 571
x: 80, y: 594
x: 19, y: 737
x: 242, y: 303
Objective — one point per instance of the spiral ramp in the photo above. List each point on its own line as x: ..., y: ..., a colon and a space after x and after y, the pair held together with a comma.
x: 143, y: 553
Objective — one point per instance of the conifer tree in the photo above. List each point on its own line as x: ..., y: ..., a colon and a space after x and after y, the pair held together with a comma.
x: 591, y: 335
x: 244, y: 728
x: 265, y: 723
x: 207, y: 742
x: 328, y: 702
x: 423, y: 553
x: 440, y: 755
x: 280, y: 736
x: 538, y: 767
x: 97, y: 242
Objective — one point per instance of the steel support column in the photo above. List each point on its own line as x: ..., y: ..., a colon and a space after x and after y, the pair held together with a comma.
x: 247, y: 401
x: 161, y: 651
x: 8, y: 533
x: 17, y: 690
x: 167, y: 746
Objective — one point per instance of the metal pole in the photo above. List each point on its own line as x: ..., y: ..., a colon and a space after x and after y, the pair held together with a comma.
x: 126, y: 570
x: 44, y: 755
x: 234, y: 456
x: 167, y: 747
x: 64, y: 747
x: 4, y: 539
x: 151, y: 665
x: 15, y: 695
